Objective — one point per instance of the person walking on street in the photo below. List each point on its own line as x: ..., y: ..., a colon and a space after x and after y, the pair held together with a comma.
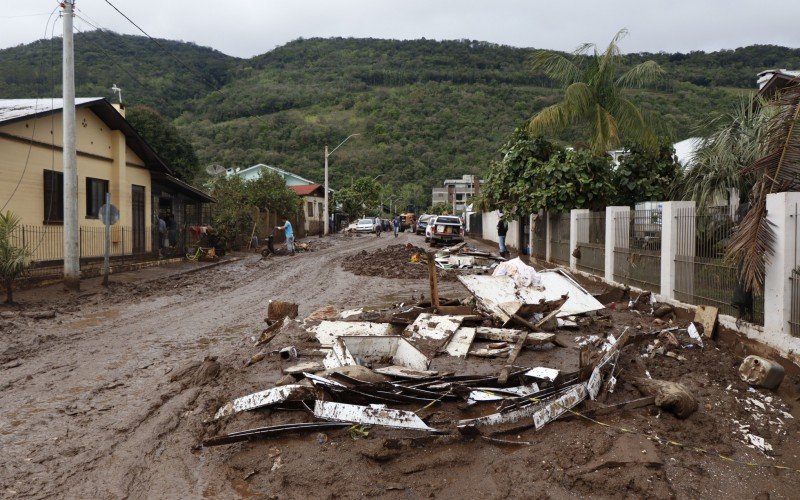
x: 288, y: 232
x: 502, y: 230
x: 396, y: 224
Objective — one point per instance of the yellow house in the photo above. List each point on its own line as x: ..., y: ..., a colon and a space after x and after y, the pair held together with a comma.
x: 112, y: 157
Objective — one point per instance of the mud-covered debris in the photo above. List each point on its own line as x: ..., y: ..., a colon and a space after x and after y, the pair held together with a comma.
x: 268, y: 397
x: 761, y: 372
x: 670, y: 396
x: 370, y: 415
x: 277, y: 310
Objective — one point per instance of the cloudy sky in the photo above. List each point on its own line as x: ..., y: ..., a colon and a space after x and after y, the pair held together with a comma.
x: 245, y: 28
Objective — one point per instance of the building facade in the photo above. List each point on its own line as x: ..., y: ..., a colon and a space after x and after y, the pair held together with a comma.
x: 457, y: 193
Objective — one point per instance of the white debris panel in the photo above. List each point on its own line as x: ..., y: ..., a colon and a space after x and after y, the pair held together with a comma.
x: 268, y: 397
x: 460, y: 342
x: 369, y: 350
x: 434, y: 327
x: 327, y: 331
x: 369, y: 415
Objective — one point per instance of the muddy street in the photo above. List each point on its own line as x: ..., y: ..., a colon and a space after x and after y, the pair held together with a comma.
x: 91, y: 396
x: 112, y: 397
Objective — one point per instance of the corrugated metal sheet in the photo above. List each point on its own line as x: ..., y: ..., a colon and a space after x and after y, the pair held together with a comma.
x: 14, y: 109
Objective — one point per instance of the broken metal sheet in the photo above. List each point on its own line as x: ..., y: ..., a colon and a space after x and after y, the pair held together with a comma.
x: 317, y: 380
x: 557, y: 283
x: 370, y: 415
x: 361, y: 350
x: 563, y: 403
x: 274, y: 430
x: 403, y: 372
x: 434, y: 327
x: 496, y: 294
x: 542, y: 373
x: 460, y: 342
x: 281, y: 394
x: 327, y: 331
x: 483, y: 394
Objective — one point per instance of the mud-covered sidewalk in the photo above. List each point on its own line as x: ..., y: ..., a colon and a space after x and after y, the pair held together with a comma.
x: 111, y: 398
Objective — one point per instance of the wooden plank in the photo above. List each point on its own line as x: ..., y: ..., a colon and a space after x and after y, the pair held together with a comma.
x: 434, y: 280
x: 707, y: 316
x: 460, y: 342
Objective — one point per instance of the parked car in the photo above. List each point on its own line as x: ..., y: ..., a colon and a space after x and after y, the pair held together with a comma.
x: 366, y: 225
x: 444, y: 229
x: 422, y: 223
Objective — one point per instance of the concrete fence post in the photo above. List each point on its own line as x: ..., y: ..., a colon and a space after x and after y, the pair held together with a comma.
x: 547, y: 236
x: 669, y: 243
x: 615, y: 234
x: 577, y: 226
x: 530, y: 235
x: 782, y: 210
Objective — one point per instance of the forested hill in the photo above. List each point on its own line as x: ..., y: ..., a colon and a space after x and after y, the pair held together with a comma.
x: 425, y: 110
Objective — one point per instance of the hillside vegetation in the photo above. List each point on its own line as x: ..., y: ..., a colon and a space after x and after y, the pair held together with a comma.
x: 425, y: 109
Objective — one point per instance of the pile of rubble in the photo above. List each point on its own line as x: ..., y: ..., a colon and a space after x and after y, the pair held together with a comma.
x: 471, y: 366
x: 393, y: 261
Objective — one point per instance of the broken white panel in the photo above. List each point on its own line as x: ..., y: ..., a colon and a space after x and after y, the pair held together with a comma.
x: 351, y: 312
x: 490, y: 353
x: 327, y: 331
x: 434, y: 327
x: 369, y: 415
x: 594, y: 383
x: 496, y: 294
x: 557, y: 283
x: 759, y: 442
x: 403, y: 372
x: 281, y: 394
x: 367, y: 350
x: 460, y: 342
x: 316, y: 379
x: 554, y: 409
x: 542, y: 373
x: 457, y: 260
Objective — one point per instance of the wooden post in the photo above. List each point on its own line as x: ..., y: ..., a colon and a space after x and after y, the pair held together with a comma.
x: 433, y: 277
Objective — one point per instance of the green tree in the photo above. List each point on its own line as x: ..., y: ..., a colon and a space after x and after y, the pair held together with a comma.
x: 233, y: 213
x: 736, y: 141
x: 595, y: 97
x: 167, y: 141
x: 439, y: 209
x: 536, y: 175
x: 14, y: 260
x: 644, y: 175
x: 269, y: 192
x: 361, y: 198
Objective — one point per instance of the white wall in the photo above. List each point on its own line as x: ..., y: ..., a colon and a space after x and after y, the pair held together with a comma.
x: 490, y: 220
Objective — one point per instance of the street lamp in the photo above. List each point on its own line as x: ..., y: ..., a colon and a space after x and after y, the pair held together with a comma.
x: 327, y: 154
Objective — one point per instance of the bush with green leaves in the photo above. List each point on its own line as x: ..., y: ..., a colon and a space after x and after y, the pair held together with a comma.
x: 646, y: 175
x: 14, y: 260
x: 362, y: 197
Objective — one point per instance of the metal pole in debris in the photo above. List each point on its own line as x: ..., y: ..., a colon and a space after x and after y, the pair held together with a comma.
x: 107, y: 226
x: 72, y: 278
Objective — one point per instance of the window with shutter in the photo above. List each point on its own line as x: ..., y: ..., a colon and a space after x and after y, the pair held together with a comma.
x: 53, y: 197
x: 96, y: 190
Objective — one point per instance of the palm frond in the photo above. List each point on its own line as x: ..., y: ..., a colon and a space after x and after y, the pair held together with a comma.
x: 556, y: 67
x: 778, y: 169
x: 606, y: 131
x: 640, y: 75
x: 551, y: 118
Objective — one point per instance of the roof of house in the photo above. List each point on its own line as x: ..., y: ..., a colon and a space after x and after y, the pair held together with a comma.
x: 774, y: 80
x: 686, y: 149
x: 277, y: 170
x: 14, y: 110
x: 307, y: 190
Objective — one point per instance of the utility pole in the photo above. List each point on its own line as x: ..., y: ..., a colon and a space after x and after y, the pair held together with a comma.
x: 325, y: 210
x: 72, y: 268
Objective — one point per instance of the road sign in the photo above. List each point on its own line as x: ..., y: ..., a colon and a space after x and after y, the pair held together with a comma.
x: 109, y: 214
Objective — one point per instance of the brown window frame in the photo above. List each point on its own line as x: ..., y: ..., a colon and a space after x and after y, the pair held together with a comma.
x: 53, y: 187
x: 92, y: 198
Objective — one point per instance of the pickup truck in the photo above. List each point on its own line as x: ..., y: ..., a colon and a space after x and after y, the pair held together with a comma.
x: 445, y: 229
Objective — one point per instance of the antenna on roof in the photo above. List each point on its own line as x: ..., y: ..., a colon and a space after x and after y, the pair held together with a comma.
x: 118, y: 90
x: 215, y: 169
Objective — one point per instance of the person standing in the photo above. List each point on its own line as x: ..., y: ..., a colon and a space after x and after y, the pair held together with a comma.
x: 502, y: 230
x: 288, y: 232
x: 396, y: 224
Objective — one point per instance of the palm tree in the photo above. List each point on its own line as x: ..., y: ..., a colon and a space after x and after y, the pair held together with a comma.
x: 776, y: 170
x: 14, y: 260
x: 595, y: 96
x: 736, y: 142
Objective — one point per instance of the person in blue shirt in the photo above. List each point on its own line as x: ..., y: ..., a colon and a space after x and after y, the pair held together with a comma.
x: 289, y: 233
x: 396, y: 224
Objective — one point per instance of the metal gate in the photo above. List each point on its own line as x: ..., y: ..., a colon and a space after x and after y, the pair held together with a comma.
x: 591, y: 240
x: 539, y: 249
x: 559, y: 239
x: 637, y: 249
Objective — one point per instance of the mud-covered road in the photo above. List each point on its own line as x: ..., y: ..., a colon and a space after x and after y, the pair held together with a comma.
x: 89, y: 408
x: 108, y: 399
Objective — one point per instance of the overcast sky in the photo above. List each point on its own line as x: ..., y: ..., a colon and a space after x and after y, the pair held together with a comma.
x: 245, y: 28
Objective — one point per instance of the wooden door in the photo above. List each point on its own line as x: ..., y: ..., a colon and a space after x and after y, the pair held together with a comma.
x: 137, y: 214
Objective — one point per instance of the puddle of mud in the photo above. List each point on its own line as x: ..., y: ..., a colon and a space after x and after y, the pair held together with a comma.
x: 94, y: 319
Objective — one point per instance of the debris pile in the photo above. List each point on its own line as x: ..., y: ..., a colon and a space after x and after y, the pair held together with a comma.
x: 520, y: 350
x: 393, y: 261
x: 465, y: 257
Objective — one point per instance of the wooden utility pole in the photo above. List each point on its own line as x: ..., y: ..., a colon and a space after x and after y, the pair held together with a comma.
x: 434, y: 279
x: 72, y: 268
